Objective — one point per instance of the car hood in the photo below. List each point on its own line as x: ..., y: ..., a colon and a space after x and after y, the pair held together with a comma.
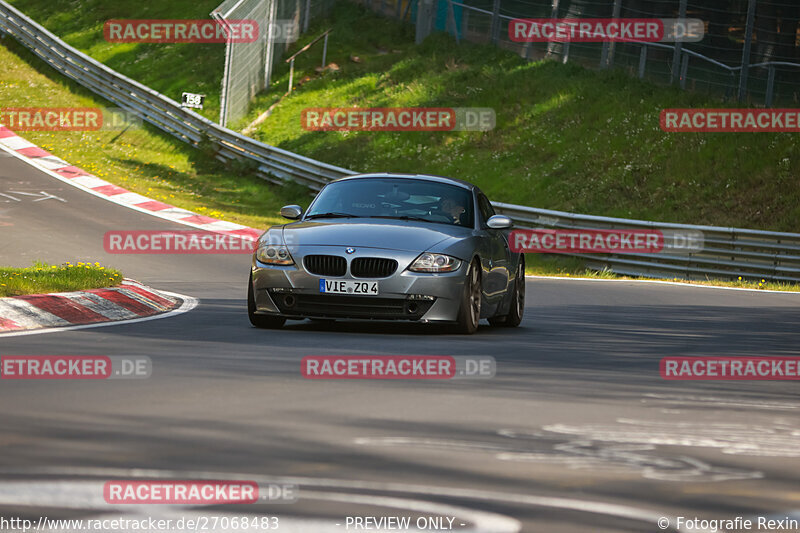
x: 388, y: 234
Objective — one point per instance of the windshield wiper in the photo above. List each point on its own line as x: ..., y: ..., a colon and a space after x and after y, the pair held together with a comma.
x: 330, y: 215
x: 403, y: 217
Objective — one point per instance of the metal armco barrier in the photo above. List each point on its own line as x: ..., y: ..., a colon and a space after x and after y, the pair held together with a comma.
x: 728, y: 252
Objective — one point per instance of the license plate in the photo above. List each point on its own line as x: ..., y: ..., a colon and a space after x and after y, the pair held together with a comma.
x: 335, y: 286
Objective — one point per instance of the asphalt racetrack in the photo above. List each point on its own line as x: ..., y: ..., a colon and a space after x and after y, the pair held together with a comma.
x: 576, y: 432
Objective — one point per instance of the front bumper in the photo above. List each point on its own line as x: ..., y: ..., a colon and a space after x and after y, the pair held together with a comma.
x: 292, y: 292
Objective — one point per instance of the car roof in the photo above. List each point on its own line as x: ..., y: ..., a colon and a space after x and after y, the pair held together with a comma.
x: 425, y: 177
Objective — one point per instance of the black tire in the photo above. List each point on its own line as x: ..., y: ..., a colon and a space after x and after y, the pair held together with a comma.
x: 469, y: 314
x: 260, y: 321
x: 517, y: 305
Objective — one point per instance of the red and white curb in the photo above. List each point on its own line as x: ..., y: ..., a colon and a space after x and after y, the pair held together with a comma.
x: 131, y: 300
x: 63, y: 171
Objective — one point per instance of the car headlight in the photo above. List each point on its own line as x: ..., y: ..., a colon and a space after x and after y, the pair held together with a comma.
x: 274, y: 254
x: 429, y: 262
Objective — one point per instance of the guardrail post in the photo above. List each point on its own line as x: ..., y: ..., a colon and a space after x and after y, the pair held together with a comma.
x: 642, y: 61
x: 607, y: 57
x: 676, y: 55
x: 291, y: 75
x: 770, y: 86
x: 495, y: 33
x: 748, y: 41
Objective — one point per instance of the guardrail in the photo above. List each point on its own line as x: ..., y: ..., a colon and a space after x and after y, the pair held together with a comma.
x: 728, y: 252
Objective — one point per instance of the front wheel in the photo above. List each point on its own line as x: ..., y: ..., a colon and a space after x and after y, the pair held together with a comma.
x: 260, y: 321
x: 517, y: 306
x: 470, y: 311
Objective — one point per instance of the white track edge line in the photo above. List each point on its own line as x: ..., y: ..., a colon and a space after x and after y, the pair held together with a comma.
x: 661, y: 282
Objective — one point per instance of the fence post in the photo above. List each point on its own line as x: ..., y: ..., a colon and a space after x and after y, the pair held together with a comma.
x: 424, y: 20
x: 464, y: 19
x: 642, y: 61
x: 553, y: 15
x: 291, y: 75
x: 607, y: 57
x: 748, y: 41
x: 495, y: 22
x: 684, y: 70
x: 676, y: 56
x: 770, y: 86
x: 451, y: 19
x: 307, y: 16
x: 325, y: 50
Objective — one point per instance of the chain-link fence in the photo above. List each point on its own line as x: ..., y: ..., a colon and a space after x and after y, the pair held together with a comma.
x: 750, y: 50
x: 249, y: 66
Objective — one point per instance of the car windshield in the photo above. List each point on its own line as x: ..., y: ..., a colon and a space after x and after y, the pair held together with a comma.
x: 405, y: 199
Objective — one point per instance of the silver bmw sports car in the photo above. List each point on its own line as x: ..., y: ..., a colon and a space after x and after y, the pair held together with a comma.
x: 389, y: 247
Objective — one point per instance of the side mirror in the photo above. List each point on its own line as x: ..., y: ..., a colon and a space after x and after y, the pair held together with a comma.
x: 500, y: 222
x: 292, y: 212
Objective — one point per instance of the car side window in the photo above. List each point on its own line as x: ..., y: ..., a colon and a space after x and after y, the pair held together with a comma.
x: 485, y: 208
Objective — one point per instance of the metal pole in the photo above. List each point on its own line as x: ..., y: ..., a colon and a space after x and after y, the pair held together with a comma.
x: 676, y: 56
x: 684, y: 70
x: 291, y: 75
x: 324, y: 50
x: 495, y: 22
x: 553, y: 15
x: 451, y: 18
x: 770, y: 86
x: 607, y: 57
x: 307, y: 16
x: 748, y: 41
x: 642, y: 61
x: 269, y: 51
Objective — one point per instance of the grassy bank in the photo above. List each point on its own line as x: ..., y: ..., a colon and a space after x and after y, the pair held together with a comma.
x: 42, y: 278
x: 566, y: 138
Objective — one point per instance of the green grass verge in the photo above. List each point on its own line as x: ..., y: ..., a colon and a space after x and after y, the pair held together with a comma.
x: 42, y: 278
x: 142, y: 160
